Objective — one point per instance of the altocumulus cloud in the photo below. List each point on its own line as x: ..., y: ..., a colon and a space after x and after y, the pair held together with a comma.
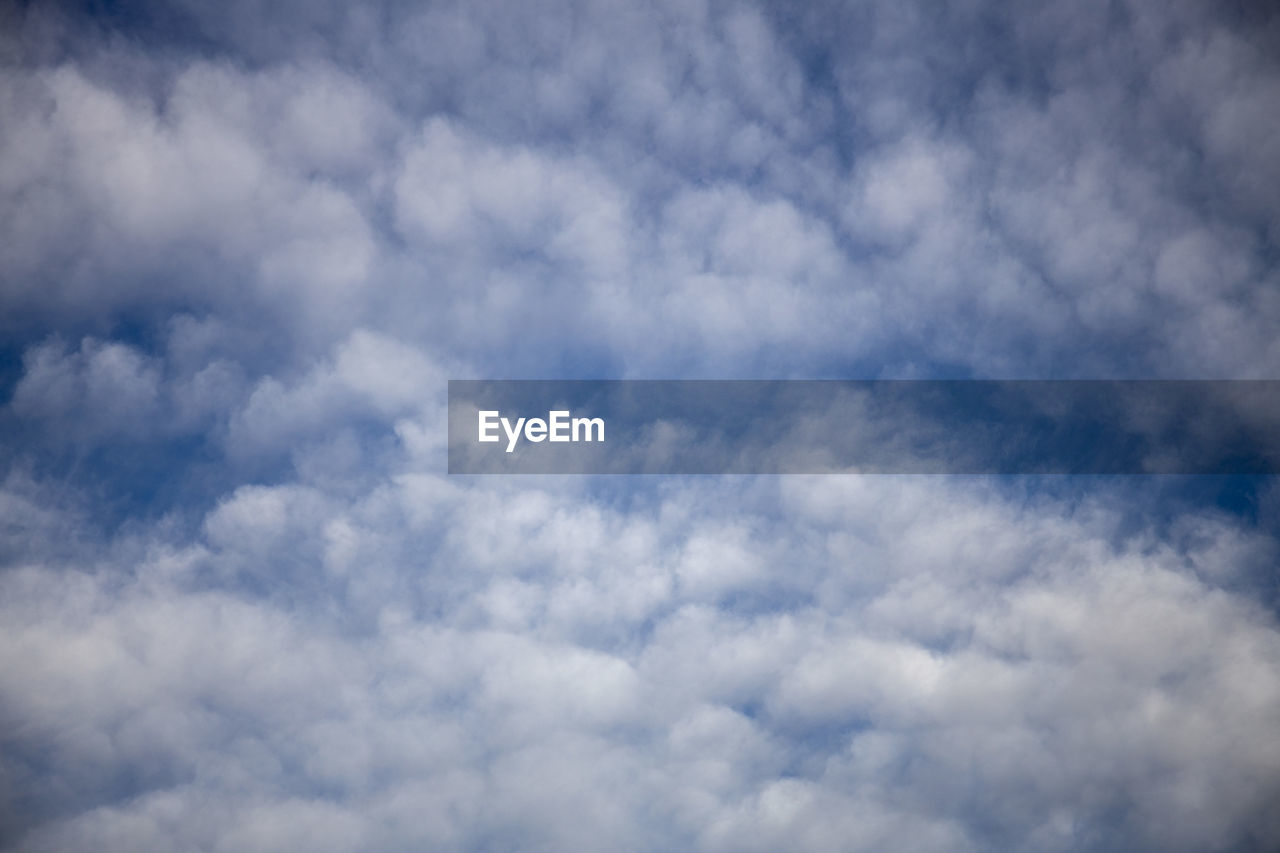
x: 241, y: 608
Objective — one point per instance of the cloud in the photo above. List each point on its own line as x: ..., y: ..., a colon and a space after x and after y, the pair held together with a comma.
x: 959, y: 658
x: 241, y: 608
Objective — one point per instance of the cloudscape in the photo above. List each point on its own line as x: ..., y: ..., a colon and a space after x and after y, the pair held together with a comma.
x: 244, y: 246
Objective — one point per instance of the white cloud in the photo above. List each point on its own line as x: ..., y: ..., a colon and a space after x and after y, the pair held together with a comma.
x: 100, y: 388
x: 275, y: 251
x: 1104, y: 672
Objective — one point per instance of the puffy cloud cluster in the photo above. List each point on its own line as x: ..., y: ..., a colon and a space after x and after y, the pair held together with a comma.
x: 428, y: 663
x: 743, y: 190
x: 242, y: 609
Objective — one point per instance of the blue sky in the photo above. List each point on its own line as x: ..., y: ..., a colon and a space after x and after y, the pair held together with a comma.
x: 242, y: 607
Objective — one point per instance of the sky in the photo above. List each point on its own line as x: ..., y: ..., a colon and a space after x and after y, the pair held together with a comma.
x: 246, y: 244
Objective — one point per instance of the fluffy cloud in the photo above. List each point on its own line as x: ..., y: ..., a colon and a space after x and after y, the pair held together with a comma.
x: 241, y: 608
x: 964, y: 672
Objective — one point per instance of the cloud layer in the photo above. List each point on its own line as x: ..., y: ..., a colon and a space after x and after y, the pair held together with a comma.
x: 241, y: 608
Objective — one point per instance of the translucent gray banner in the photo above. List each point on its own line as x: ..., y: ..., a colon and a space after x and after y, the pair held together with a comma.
x: 864, y: 426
